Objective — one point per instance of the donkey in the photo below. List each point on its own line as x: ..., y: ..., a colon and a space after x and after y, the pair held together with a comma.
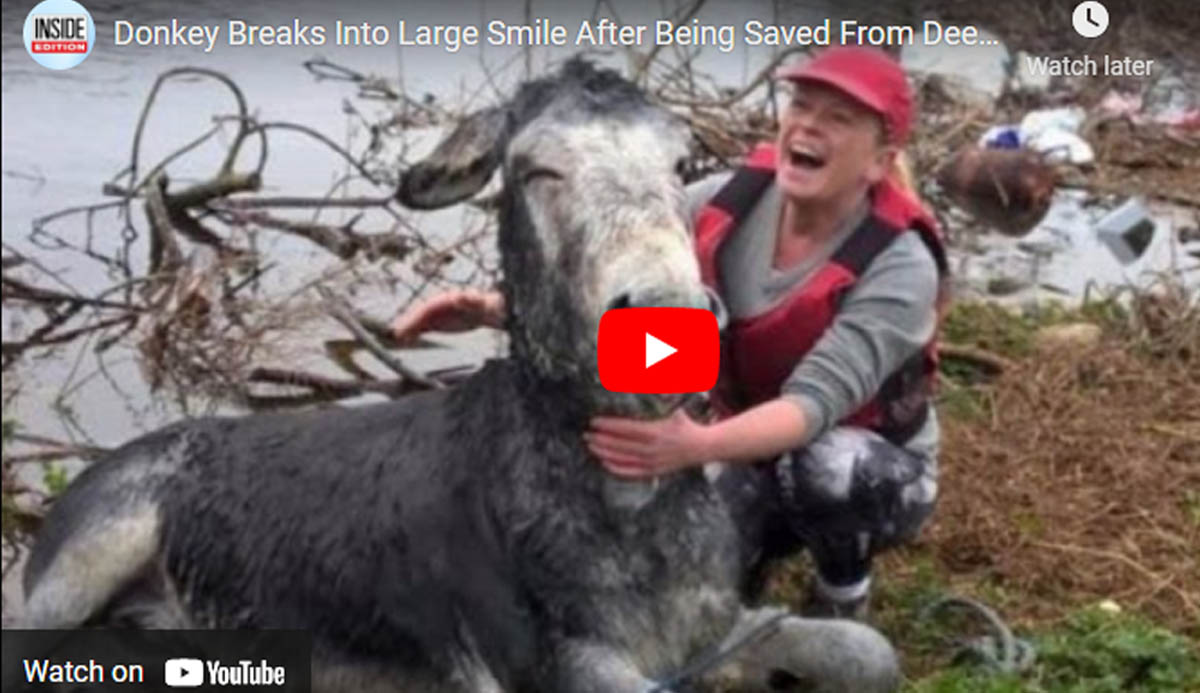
x: 461, y: 539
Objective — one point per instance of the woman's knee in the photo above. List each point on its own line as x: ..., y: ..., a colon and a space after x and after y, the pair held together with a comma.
x: 859, y: 477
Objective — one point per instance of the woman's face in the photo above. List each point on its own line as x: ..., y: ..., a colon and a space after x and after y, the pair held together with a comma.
x: 830, y: 145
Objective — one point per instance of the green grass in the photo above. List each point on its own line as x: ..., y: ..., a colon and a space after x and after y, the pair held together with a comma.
x: 990, y: 327
x: 1191, y: 505
x: 1091, y: 652
x: 1009, y: 333
x: 1086, y: 651
x: 962, y: 402
x: 54, y: 476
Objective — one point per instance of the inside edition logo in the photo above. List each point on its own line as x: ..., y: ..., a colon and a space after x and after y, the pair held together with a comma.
x: 59, y: 34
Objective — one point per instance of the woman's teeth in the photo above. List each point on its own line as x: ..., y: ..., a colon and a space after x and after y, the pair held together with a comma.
x: 799, y: 155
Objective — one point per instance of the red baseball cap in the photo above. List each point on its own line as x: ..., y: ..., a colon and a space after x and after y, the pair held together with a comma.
x: 868, y: 75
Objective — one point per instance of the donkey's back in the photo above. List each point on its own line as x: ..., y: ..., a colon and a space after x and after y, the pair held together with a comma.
x: 466, y: 540
x: 363, y: 525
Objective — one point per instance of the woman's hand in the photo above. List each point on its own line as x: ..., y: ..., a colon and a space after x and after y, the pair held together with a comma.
x: 454, y: 311
x: 635, y: 448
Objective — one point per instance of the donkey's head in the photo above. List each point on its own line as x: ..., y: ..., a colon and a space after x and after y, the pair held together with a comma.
x: 592, y: 215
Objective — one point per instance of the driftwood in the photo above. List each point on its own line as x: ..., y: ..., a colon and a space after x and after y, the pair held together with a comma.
x: 217, y: 300
x: 991, y: 364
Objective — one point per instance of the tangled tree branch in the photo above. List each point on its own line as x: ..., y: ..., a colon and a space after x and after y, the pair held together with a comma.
x: 202, y: 317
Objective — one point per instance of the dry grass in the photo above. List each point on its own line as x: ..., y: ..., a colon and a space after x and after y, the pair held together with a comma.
x: 1071, y: 478
x: 1079, y: 480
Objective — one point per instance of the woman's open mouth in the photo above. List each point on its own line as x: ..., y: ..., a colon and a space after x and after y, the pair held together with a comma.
x: 804, y: 157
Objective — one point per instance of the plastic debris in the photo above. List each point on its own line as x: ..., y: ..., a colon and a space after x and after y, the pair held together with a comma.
x: 1061, y: 146
x: 1067, y: 118
x: 1052, y: 132
x: 1176, y: 115
x: 1127, y: 230
x: 1121, y: 105
x: 1066, y: 256
x: 1172, y: 102
x: 1188, y: 121
x: 1001, y: 137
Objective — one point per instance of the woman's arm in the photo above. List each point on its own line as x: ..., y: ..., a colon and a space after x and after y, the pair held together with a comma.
x: 453, y: 311
x: 885, y: 319
x: 635, y: 448
x: 758, y: 433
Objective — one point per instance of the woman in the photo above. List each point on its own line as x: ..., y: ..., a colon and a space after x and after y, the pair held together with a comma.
x: 832, y: 275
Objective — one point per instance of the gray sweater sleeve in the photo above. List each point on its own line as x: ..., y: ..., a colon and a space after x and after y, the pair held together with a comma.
x: 885, y: 318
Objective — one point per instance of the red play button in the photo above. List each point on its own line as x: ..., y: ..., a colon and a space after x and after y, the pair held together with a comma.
x: 658, y: 350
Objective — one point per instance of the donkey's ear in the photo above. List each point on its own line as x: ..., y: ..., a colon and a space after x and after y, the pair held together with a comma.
x: 458, y: 167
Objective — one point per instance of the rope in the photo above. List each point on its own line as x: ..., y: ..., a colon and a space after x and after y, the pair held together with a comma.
x: 717, y: 655
x: 1000, y: 652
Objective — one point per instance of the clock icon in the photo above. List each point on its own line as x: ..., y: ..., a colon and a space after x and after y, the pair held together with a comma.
x: 1090, y: 19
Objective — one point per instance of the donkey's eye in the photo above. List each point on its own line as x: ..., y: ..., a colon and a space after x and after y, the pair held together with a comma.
x: 540, y: 173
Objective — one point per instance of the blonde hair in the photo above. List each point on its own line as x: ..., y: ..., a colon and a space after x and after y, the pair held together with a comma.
x: 901, y: 172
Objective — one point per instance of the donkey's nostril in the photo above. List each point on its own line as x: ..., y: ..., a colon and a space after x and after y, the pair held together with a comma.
x: 624, y: 300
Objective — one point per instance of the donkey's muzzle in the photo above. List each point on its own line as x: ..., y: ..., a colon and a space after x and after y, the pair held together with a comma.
x: 706, y: 299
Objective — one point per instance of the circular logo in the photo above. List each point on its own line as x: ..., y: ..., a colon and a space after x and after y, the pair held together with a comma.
x: 1090, y: 19
x: 59, y: 34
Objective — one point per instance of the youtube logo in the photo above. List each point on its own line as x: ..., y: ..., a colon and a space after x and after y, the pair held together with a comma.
x: 658, y: 350
x: 183, y: 673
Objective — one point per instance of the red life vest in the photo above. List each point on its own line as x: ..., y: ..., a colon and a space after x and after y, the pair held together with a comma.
x: 760, y: 352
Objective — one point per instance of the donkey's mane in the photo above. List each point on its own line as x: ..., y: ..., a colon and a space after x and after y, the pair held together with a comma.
x: 591, y: 91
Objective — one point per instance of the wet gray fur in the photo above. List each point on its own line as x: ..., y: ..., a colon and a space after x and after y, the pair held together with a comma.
x: 460, y: 540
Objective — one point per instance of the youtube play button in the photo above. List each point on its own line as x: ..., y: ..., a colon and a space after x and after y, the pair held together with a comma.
x: 658, y: 350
